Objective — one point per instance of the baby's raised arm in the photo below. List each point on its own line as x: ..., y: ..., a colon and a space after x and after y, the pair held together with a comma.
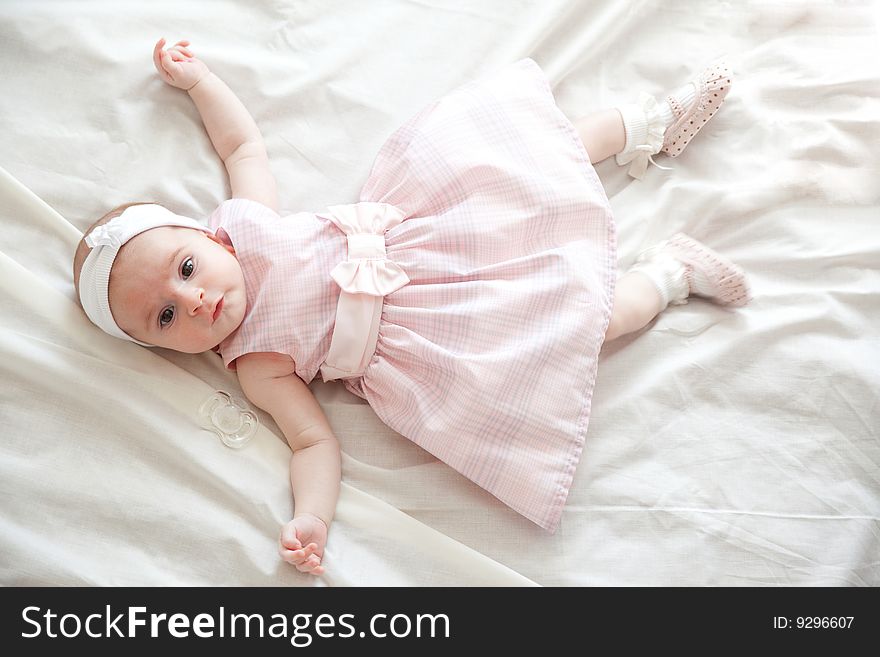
x: 230, y: 126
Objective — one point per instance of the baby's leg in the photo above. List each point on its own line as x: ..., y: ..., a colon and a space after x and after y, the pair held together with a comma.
x: 668, y: 273
x: 636, y: 302
x: 603, y: 134
x: 635, y: 132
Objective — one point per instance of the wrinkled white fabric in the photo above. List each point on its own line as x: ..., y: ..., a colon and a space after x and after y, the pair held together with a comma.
x: 725, y: 447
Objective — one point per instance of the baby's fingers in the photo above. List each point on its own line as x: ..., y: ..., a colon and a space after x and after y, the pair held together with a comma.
x: 183, y: 46
x: 182, y: 53
x: 157, y: 53
x: 311, y: 565
x: 304, y: 553
x: 304, y: 562
x: 289, y: 539
x: 169, y: 65
x: 298, y: 554
x: 290, y: 556
x: 294, y: 559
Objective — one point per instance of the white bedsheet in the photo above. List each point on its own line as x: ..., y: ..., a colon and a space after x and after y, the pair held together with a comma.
x: 725, y: 448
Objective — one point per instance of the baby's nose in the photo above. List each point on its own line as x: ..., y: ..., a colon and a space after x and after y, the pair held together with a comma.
x: 197, y: 301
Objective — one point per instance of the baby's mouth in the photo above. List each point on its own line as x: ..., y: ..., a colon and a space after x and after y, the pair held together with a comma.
x: 217, y: 310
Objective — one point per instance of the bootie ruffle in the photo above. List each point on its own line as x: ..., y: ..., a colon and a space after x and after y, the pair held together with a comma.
x: 647, y: 131
x: 681, y: 266
x: 644, y: 125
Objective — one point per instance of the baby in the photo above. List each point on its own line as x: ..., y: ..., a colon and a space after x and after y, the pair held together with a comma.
x: 466, y: 296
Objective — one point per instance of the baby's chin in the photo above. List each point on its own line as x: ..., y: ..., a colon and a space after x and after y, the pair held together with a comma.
x: 219, y: 337
x: 209, y: 343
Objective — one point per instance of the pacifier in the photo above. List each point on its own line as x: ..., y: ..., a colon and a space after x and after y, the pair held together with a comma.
x: 229, y: 418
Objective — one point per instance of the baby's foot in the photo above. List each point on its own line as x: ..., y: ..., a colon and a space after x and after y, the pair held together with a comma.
x: 693, y: 105
x: 681, y: 267
x: 652, y: 125
x: 709, y: 274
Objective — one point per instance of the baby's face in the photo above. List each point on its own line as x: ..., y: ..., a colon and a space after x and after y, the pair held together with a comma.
x: 176, y: 288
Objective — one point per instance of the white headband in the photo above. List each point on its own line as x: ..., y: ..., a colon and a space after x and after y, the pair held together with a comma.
x: 105, y: 242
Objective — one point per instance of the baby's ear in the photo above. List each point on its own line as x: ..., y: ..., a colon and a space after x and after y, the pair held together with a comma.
x: 214, y: 238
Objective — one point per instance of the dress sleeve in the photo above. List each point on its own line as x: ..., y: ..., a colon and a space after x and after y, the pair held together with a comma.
x: 237, y: 208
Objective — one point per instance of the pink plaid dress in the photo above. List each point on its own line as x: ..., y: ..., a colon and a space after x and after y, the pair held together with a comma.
x: 487, y: 356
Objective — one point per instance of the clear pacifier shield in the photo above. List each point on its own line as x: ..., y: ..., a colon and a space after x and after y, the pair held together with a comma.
x: 229, y: 418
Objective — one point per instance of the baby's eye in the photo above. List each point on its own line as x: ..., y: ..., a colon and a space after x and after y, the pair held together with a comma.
x: 166, y: 316
x: 187, y: 268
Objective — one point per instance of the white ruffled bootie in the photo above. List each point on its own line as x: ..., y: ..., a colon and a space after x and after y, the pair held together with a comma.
x: 671, y: 124
x: 681, y: 266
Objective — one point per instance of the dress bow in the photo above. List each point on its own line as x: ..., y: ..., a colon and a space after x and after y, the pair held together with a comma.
x: 367, y: 270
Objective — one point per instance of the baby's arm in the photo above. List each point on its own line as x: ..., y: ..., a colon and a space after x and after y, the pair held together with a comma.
x: 230, y: 126
x: 270, y: 382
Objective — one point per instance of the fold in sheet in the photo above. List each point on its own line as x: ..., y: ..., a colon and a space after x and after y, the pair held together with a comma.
x: 725, y: 448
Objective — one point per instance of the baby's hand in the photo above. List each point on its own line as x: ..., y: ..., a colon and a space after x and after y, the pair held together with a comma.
x: 178, y: 66
x: 302, y: 543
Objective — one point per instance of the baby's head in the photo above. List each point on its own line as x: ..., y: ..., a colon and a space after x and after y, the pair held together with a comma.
x: 159, y: 279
